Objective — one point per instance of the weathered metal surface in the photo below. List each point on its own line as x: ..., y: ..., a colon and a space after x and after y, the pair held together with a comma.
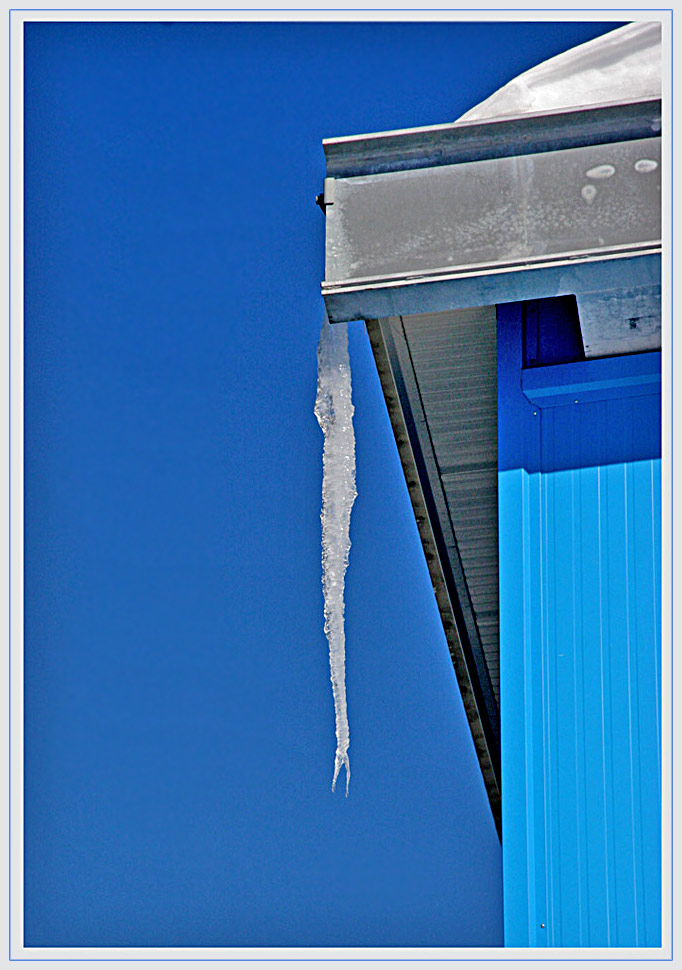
x: 623, y: 320
x: 452, y: 290
x: 494, y: 213
x: 411, y: 148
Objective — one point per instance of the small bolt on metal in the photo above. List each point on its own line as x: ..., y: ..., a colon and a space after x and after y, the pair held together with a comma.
x: 576, y: 401
x: 535, y: 412
x: 542, y: 926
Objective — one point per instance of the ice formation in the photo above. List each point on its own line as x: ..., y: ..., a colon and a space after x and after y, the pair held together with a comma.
x: 623, y: 65
x: 334, y: 412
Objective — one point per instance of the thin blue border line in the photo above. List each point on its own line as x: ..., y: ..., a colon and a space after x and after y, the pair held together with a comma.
x: 325, y: 9
x: 672, y: 504
x: 9, y: 463
x: 539, y: 959
x: 12, y: 10
x: 251, y: 959
x: 283, y: 960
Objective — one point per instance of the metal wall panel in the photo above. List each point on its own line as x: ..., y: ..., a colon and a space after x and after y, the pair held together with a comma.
x: 580, y: 625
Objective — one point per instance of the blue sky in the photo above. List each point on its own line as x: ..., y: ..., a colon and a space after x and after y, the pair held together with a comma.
x: 179, y: 718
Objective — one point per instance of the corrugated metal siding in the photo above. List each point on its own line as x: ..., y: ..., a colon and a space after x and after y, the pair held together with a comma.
x: 454, y: 357
x: 601, y: 648
x: 580, y: 600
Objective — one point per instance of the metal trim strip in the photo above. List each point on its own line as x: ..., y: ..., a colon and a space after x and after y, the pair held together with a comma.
x: 593, y: 380
x: 427, y: 147
x: 353, y: 285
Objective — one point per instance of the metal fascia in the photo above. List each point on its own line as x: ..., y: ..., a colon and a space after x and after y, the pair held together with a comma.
x: 412, y: 148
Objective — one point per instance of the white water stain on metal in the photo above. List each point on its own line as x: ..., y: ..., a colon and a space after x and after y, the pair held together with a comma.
x: 646, y: 165
x: 589, y: 193
x: 601, y: 172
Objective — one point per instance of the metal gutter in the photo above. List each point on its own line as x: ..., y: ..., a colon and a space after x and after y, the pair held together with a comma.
x: 435, y: 145
x: 488, y: 269
x: 456, y: 290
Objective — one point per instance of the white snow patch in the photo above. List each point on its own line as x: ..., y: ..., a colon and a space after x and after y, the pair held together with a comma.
x: 623, y: 65
x: 334, y: 412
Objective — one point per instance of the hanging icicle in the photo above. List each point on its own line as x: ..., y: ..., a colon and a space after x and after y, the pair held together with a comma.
x: 334, y: 412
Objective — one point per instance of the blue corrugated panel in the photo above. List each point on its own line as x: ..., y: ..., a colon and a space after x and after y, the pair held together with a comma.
x: 580, y: 595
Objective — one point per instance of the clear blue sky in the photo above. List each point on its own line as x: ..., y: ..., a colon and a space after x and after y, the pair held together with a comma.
x: 179, y: 717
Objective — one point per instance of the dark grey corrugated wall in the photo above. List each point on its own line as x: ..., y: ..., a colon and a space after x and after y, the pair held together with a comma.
x: 455, y: 361
x: 439, y: 377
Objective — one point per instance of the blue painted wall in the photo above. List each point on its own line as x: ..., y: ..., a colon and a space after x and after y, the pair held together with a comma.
x: 580, y: 633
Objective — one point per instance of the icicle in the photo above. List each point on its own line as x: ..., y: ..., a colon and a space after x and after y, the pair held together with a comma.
x: 334, y: 412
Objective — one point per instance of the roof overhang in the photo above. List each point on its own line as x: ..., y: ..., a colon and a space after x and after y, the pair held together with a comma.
x: 449, y: 216
x: 432, y: 221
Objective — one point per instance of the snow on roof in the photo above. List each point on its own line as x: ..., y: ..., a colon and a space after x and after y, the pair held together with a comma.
x: 623, y: 65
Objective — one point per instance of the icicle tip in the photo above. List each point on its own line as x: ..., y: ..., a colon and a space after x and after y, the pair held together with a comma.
x: 341, y: 759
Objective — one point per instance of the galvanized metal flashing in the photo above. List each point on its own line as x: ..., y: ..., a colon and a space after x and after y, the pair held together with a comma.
x: 487, y: 286
x: 434, y: 145
x: 634, y: 375
x: 506, y: 213
x: 438, y: 208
